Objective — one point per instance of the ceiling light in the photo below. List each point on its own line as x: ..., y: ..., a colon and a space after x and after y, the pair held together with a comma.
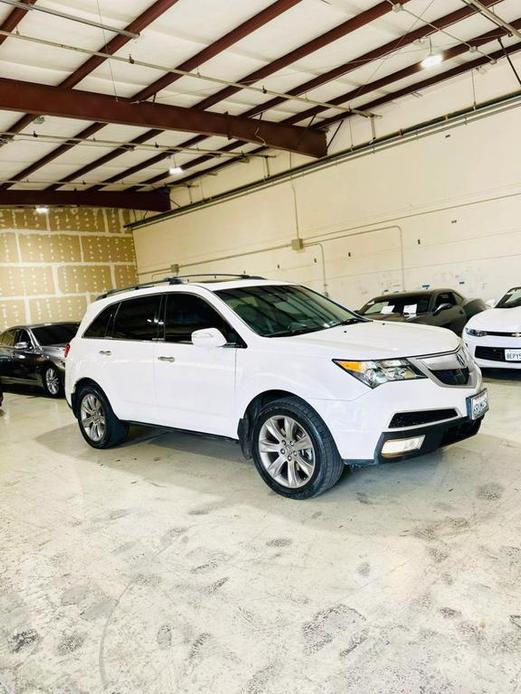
x: 175, y: 170
x: 41, y: 209
x: 432, y: 60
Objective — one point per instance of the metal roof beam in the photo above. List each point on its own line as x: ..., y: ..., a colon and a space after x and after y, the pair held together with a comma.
x: 13, y: 19
x: 29, y: 97
x: 157, y: 200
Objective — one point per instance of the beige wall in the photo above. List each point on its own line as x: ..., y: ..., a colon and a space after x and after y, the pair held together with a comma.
x: 439, y: 211
x: 52, y: 265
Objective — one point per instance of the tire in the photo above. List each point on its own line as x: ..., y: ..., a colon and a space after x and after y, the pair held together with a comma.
x: 105, y: 430
x: 52, y: 382
x: 306, y: 471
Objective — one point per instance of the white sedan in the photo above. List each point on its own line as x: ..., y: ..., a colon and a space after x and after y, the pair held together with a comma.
x: 494, y: 336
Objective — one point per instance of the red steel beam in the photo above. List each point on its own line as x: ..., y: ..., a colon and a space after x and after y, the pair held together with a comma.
x: 417, y: 86
x: 366, y: 58
x: 315, y: 44
x: 156, y: 201
x: 247, y: 27
x: 13, y: 19
x: 29, y: 97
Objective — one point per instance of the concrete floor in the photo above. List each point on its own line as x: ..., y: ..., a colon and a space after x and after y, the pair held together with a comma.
x: 166, y: 566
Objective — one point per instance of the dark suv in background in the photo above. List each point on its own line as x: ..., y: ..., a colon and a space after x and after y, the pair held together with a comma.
x: 34, y: 355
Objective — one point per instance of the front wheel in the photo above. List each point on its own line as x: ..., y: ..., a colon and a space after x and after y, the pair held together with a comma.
x: 52, y: 382
x: 294, y: 451
x: 98, y: 424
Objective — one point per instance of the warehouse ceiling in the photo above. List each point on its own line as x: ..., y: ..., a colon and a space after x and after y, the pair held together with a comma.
x: 108, y: 103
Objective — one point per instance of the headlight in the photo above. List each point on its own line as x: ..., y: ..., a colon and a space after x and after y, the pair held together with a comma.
x: 374, y: 373
x: 475, y: 333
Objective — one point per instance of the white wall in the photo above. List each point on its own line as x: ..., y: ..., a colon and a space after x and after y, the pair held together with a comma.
x: 441, y: 210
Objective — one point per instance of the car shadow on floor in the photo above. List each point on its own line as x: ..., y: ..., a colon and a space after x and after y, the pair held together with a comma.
x: 175, y: 460
x: 501, y: 375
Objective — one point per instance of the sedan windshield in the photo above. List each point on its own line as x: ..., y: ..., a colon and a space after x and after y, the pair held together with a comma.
x: 55, y: 334
x: 397, y: 305
x: 512, y: 299
x: 275, y: 311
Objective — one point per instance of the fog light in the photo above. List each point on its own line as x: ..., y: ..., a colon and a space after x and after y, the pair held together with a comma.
x: 397, y: 447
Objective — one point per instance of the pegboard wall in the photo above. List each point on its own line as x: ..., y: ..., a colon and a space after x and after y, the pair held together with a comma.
x: 52, y: 265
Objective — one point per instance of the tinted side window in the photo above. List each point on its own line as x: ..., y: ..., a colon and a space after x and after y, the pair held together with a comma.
x: 98, y: 327
x: 186, y: 313
x: 137, y: 319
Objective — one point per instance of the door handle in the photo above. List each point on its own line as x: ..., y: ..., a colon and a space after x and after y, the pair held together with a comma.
x: 105, y: 352
x: 169, y: 359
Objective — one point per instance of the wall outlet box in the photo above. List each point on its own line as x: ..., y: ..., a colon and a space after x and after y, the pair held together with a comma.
x: 174, y: 268
x: 297, y: 244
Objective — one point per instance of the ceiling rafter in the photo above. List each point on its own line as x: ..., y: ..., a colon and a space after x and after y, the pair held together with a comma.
x: 13, y: 19
x: 28, y: 97
x: 343, y: 29
x: 366, y: 58
x: 380, y: 101
x: 156, y: 201
x: 218, y: 46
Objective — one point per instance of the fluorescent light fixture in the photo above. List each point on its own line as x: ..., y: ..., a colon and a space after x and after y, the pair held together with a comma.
x: 41, y: 209
x: 432, y: 60
x: 175, y: 170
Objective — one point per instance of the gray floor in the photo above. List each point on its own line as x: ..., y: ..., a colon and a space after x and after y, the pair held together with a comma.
x: 167, y: 566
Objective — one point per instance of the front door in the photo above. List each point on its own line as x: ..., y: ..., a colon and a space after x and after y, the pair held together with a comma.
x: 453, y: 318
x: 24, y: 358
x: 195, y: 386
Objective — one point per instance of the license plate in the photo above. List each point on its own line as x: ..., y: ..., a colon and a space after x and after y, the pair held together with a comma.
x: 512, y: 354
x: 477, y: 404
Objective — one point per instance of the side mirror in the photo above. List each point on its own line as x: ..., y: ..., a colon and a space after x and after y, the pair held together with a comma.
x: 490, y: 303
x: 208, y: 337
x: 440, y: 308
x: 22, y: 345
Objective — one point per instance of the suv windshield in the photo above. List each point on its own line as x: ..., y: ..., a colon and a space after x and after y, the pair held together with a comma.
x: 275, y: 311
x: 512, y: 299
x: 397, y: 305
x: 55, y: 334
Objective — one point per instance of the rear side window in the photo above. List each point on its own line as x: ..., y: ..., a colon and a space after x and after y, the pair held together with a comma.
x: 186, y: 313
x: 137, y: 319
x: 98, y: 327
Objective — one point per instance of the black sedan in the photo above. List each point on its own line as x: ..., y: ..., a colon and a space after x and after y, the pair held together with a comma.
x: 34, y: 354
x: 444, y: 308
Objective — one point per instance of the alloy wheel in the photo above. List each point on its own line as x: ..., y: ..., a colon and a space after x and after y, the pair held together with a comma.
x: 286, y: 451
x: 52, y: 381
x: 92, y: 415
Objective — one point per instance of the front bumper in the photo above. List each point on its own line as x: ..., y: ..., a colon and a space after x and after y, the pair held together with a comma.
x: 434, y: 436
x: 493, y: 346
x: 361, y: 426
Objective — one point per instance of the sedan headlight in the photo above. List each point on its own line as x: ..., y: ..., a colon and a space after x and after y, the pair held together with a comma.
x: 375, y: 373
x: 475, y: 333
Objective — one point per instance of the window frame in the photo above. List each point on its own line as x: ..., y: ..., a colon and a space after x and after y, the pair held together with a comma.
x: 240, y: 344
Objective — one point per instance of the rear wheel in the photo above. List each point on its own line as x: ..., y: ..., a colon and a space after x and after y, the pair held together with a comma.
x: 52, y: 382
x: 98, y: 424
x: 294, y: 451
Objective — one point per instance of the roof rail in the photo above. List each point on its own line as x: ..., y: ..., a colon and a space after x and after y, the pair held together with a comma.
x: 178, y: 279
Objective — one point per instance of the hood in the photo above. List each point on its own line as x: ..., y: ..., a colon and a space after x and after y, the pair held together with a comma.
x: 502, y: 320
x: 376, y: 340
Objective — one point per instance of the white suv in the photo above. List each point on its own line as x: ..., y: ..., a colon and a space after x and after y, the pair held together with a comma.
x: 303, y: 383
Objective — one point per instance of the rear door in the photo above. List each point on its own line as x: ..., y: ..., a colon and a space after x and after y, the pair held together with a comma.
x: 126, y: 358
x: 195, y: 386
